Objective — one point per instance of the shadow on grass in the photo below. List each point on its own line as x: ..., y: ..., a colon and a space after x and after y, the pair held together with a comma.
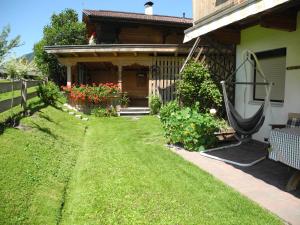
x: 43, y: 116
x: 44, y: 130
x: 14, y: 119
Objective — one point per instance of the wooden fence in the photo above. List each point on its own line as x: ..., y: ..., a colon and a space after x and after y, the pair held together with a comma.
x: 21, y: 85
x: 163, y: 75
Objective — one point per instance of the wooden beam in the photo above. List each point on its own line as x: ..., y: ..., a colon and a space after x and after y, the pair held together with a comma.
x: 124, y: 61
x: 285, y: 21
x: 227, y: 35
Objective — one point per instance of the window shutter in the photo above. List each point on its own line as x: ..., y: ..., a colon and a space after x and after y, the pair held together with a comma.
x: 274, y: 69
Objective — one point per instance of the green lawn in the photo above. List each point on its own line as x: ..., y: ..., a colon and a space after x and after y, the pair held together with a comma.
x: 108, y: 171
x: 8, y: 95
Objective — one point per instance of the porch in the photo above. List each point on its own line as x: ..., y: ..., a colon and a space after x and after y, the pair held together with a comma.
x: 133, y: 80
x: 139, y: 70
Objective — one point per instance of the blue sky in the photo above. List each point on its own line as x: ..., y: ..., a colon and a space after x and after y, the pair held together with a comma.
x: 28, y: 17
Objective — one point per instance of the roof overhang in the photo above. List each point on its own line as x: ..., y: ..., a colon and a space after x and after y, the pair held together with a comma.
x: 83, y: 50
x: 230, y: 16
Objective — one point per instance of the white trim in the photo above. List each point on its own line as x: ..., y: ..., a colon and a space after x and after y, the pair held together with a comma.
x: 249, y: 10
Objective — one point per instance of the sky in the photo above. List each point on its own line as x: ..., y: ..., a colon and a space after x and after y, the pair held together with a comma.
x: 28, y: 17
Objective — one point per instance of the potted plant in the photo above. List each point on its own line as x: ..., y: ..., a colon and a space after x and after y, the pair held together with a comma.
x: 124, y: 100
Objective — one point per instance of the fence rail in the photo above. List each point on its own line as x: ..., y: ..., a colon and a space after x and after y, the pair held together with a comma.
x: 21, y: 85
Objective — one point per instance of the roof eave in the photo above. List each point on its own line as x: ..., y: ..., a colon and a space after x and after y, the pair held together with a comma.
x: 112, y: 48
x: 229, y: 16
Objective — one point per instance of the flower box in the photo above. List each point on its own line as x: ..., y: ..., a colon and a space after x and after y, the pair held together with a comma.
x: 87, y: 97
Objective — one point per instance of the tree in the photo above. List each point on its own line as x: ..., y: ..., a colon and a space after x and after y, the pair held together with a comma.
x: 64, y: 29
x: 7, y: 45
x: 18, y: 68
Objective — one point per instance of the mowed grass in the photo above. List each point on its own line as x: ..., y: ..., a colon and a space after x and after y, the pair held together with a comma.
x: 125, y: 175
x: 36, y: 165
x: 108, y: 171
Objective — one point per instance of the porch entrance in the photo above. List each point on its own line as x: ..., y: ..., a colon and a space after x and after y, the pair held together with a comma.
x: 135, y: 82
x: 133, y: 79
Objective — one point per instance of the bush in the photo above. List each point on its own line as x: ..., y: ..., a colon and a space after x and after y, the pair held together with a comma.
x: 124, y: 100
x: 168, y: 109
x: 105, y: 112
x: 197, y: 85
x: 155, y: 104
x: 194, y: 130
x: 49, y: 93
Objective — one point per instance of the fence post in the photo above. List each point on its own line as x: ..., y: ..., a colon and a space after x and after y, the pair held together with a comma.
x: 24, y: 95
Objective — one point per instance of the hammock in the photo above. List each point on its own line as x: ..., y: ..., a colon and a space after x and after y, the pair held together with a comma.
x: 244, y: 127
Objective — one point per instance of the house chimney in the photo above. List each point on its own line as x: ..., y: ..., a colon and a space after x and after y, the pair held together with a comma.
x: 149, y: 8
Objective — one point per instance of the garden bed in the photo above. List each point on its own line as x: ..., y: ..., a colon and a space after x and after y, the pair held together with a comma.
x: 86, y: 98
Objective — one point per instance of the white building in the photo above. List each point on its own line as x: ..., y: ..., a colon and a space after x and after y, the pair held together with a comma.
x: 271, y: 29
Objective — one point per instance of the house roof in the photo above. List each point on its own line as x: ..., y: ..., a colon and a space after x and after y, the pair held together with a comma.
x: 137, y: 17
x: 229, y: 16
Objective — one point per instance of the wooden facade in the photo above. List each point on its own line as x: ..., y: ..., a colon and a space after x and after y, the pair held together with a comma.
x: 205, y: 8
x: 142, y: 53
x: 139, y: 75
x: 144, y: 56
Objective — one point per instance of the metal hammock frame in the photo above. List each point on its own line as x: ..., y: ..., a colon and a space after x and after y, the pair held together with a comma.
x: 244, y: 127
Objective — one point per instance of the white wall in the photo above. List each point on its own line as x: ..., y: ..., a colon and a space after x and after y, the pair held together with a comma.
x: 260, y: 39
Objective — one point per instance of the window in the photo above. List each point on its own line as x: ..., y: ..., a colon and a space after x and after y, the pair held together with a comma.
x: 220, y: 2
x: 273, y: 64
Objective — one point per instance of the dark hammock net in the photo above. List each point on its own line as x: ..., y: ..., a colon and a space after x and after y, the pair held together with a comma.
x: 243, y: 126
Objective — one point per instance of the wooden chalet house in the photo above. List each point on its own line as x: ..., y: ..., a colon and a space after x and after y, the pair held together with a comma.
x: 141, y: 52
x: 270, y: 29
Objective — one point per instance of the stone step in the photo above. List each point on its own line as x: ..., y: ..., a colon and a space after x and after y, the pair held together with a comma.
x: 134, y: 113
x: 135, y: 109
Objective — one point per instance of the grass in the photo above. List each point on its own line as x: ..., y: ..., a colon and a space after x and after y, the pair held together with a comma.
x: 36, y: 165
x: 108, y: 171
x: 17, y: 93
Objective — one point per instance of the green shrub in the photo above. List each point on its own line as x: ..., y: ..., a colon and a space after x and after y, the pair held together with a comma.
x: 124, y: 100
x: 49, y: 93
x: 197, y: 85
x: 105, y: 112
x: 168, y: 109
x: 194, y: 130
x: 155, y: 104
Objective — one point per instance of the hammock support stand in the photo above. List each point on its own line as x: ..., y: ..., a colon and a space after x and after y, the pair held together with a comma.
x: 244, y: 127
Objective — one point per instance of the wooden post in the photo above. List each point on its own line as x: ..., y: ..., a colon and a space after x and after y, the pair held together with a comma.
x: 24, y: 95
x: 69, y: 75
x: 120, y: 70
